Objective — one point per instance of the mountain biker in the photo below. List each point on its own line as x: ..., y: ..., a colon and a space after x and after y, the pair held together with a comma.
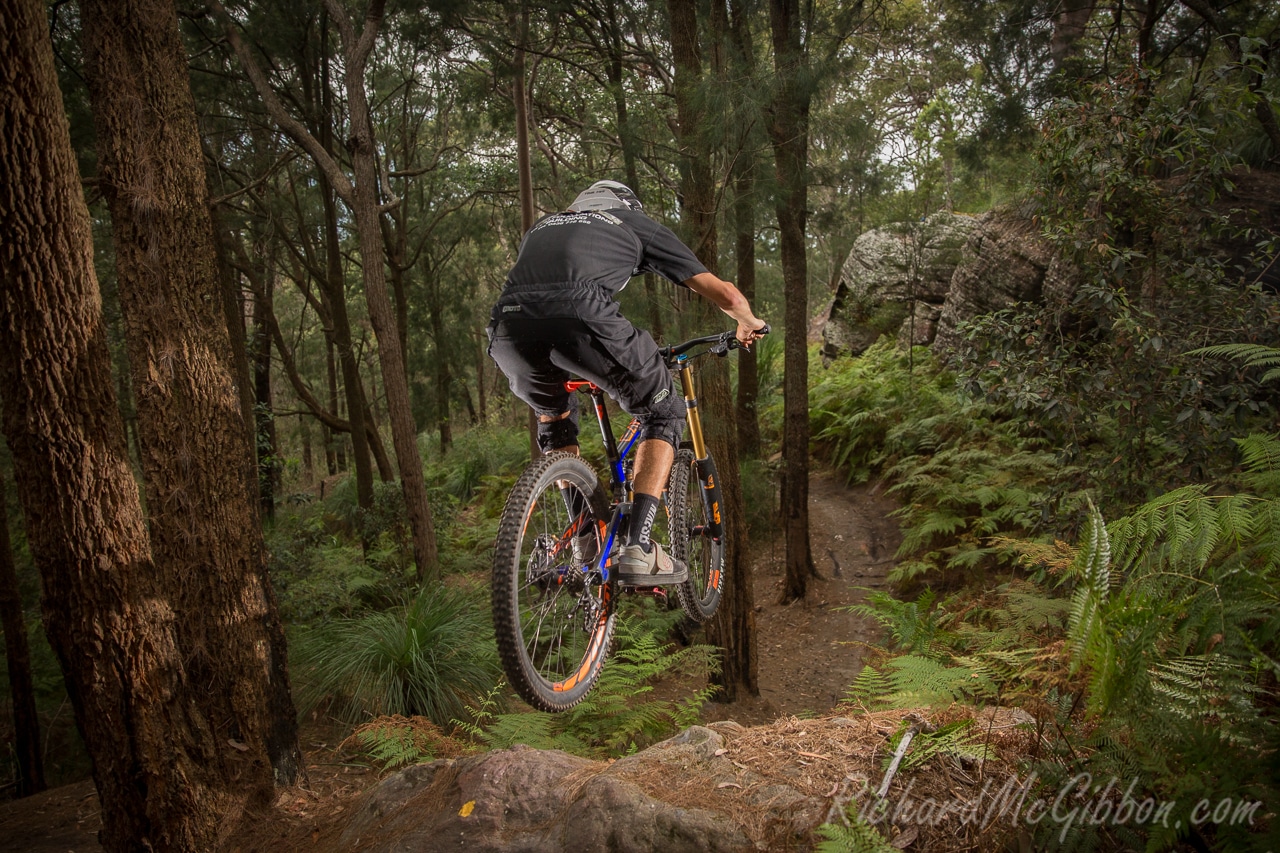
x: 557, y: 316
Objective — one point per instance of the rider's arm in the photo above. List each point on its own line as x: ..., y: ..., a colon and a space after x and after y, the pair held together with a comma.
x: 729, y: 300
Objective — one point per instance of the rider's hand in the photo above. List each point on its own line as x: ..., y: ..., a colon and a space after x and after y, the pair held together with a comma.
x: 750, y: 331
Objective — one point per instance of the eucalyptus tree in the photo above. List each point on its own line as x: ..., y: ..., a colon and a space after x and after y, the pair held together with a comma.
x: 733, y: 627
x: 164, y: 778
x: 17, y: 655
x: 197, y: 457
x: 367, y: 194
x: 247, y: 159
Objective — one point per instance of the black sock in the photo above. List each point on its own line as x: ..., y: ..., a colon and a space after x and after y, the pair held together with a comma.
x: 644, y: 509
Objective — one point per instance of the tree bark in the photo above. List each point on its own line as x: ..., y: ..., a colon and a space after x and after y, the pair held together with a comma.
x: 732, y: 630
x: 364, y: 207
x: 17, y: 653
x: 789, y: 133
x: 197, y: 458
x: 743, y: 175
x: 524, y: 169
x: 157, y: 764
x: 361, y: 194
x: 264, y: 423
x: 335, y: 292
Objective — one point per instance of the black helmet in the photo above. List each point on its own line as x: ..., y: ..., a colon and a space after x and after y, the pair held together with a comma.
x: 605, y: 195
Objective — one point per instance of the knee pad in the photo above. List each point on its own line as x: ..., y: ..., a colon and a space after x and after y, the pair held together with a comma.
x: 553, y: 435
x: 665, y: 421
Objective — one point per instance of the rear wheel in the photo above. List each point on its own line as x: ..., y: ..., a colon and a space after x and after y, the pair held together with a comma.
x: 552, y: 615
x: 690, y: 510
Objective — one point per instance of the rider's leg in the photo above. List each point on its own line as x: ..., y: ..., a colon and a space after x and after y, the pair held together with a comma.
x: 653, y: 465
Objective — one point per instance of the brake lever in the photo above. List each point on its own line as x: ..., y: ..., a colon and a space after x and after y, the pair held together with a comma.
x: 734, y: 343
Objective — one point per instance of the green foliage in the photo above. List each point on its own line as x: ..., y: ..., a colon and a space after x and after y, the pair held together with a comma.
x: 1150, y: 279
x: 396, y: 741
x: 430, y: 656
x: 615, y: 718
x: 959, y: 739
x: 1176, y: 617
x: 854, y: 835
x: 976, y: 649
x: 1253, y: 356
x: 965, y: 470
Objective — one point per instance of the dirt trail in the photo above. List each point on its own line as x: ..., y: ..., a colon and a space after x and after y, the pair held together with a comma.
x: 811, y: 650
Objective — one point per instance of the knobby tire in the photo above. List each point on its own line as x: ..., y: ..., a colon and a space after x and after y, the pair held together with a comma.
x: 689, y: 509
x: 552, y: 620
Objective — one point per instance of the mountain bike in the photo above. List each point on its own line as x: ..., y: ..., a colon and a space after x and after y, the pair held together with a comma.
x: 553, y: 605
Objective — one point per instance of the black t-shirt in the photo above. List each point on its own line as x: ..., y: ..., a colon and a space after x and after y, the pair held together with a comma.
x: 604, y: 247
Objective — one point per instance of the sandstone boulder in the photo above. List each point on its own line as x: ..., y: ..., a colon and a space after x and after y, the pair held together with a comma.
x: 888, y: 270
x: 1005, y: 262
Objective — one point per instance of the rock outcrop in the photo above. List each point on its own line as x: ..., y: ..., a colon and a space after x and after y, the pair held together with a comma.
x: 720, y: 787
x: 951, y: 268
x: 889, y: 270
x: 549, y: 801
x: 1005, y: 262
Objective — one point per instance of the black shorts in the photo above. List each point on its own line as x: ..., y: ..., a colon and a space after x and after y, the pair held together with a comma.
x: 543, y: 336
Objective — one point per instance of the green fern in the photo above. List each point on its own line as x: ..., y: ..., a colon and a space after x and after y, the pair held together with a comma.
x: 1253, y: 355
x: 854, y: 836
x: 394, y: 743
x: 1092, y: 569
x: 959, y: 740
x: 615, y: 717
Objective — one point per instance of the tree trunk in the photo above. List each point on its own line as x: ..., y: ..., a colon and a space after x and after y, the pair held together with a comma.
x: 233, y: 309
x: 364, y: 207
x: 17, y: 653
x: 197, y: 455
x: 744, y: 224
x: 264, y: 423
x: 156, y: 764
x: 440, y: 364
x: 789, y: 132
x: 335, y: 291
x: 732, y: 630
x: 627, y: 138
x: 524, y: 169
x: 335, y: 459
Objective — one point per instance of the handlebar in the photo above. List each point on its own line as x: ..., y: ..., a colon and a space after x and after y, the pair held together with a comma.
x: 720, y: 344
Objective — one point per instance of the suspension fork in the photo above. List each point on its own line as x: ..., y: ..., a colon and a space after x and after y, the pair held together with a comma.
x: 705, y: 465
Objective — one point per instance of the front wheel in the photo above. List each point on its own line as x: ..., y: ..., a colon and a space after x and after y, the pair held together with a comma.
x: 697, y: 533
x: 552, y: 615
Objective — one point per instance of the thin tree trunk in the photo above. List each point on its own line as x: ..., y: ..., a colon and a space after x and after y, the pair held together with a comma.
x: 627, y: 138
x: 482, y: 398
x: 732, y: 630
x: 264, y: 426
x: 744, y: 225
x: 335, y: 292
x: 364, y: 207
x: 156, y: 765
x: 197, y: 455
x: 789, y: 132
x: 17, y: 653
x: 233, y: 309
x: 335, y: 459
x: 440, y: 366
x: 524, y: 169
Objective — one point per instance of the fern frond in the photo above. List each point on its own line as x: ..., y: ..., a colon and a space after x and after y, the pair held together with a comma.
x: 1092, y: 568
x: 1253, y: 355
x: 857, y: 836
x: 1262, y: 463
